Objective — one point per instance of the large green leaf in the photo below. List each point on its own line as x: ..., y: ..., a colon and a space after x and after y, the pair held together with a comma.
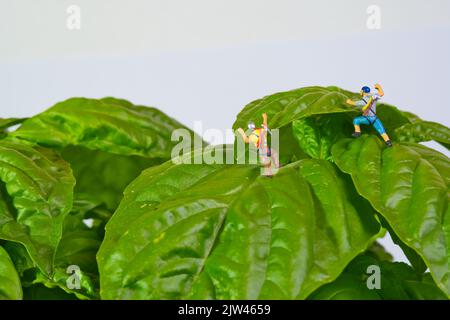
x: 409, y: 186
x: 398, y: 281
x: 102, y: 176
x: 379, y: 252
x: 317, y: 134
x: 6, y: 123
x: 413, y: 257
x: 9, y: 122
x: 391, y: 117
x: 225, y: 232
x: 319, y: 117
x: 10, y: 287
x: 284, y: 107
x: 41, y: 292
x: 107, y: 124
x: 37, y: 189
x: 77, y: 249
x: 421, y: 131
x: 84, y: 290
x: 80, y: 240
x: 108, y: 142
x: 297, y: 114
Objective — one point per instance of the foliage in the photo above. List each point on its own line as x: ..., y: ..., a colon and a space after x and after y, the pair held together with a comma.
x: 89, y: 183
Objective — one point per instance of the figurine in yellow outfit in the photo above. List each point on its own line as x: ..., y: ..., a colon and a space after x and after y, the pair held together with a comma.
x: 258, y: 138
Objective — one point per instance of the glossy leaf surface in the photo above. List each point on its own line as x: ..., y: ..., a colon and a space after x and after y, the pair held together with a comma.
x: 408, y: 185
x: 36, y: 192
x: 224, y: 232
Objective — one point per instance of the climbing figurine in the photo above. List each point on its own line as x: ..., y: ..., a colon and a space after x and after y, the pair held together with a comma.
x: 258, y: 138
x: 368, y: 103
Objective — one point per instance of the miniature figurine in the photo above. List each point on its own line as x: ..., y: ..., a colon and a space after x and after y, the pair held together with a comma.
x: 258, y: 137
x: 368, y: 104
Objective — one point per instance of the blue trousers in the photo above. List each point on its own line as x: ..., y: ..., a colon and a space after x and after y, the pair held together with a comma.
x: 370, y: 120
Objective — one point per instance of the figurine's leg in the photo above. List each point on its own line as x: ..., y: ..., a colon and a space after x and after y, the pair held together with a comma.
x: 266, y: 165
x: 357, y: 123
x: 274, y: 158
x: 380, y: 128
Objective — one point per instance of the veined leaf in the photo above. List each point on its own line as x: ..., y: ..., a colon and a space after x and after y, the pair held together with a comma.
x: 79, y: 243
x: 397, y: 281
x: 102, y: 176
x: 108, y: 142
x: 319, y: 116
x: 224, y: 232
x: 413, y: 118
x: 290, y: 111
x: 284, y: 107
x: 10, y: 287
x: 421, y: 131
x: 377, y: 251
x: 391, y: 117
x: 75, y: 259
x: 41, y: 292
x: 108, y: 125
x: 76, y: 254
x: 24, y: 265
x: 317, y: 134
x: 6, y: 123
x: 37, y: 188
x: 409, y: 186
x: 71, y: 280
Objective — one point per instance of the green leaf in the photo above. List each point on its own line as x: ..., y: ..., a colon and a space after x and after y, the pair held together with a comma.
x: 10, y: 287
x: 23, y: 263
x: 391, y: 117
x: 6, y: 123
x: 41, y: 292
x: 79, y: 243
x: 284, y: 107
x: 102, y: 176
x: 107, y: 142
x: 411, y: 117
x: 317, y: 134
x: 422, y: 131
x: 408, y: 185
x: 379, y: 252
x: 71, y: 281
x: 225, y: 232
x: 109, y: 125
x: 413, y: 257
x: 319, y: 117
x: 36, y: 192
x: 397, y: 281
x: 77, y: 249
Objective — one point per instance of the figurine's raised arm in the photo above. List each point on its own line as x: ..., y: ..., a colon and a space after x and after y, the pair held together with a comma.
x: 244, y: 136
x: 379, y: 89
x: 264, y: 115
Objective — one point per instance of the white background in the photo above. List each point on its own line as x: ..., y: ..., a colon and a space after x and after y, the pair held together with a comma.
x: 203, y: 60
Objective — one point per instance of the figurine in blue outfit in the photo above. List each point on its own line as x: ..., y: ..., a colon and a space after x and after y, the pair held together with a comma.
x: 368, y: 105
